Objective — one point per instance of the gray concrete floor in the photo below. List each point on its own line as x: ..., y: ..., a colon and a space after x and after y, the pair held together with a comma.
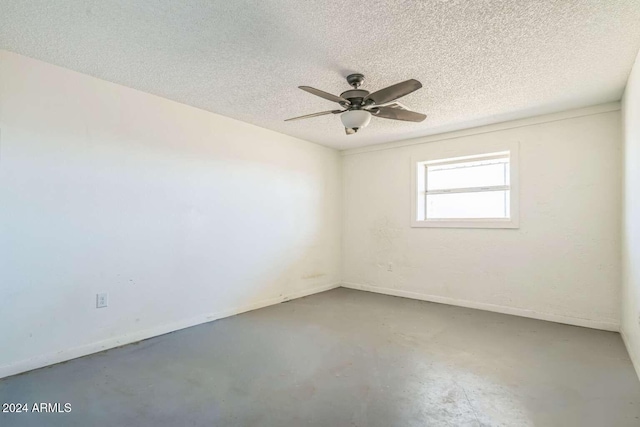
x: 346, y: 358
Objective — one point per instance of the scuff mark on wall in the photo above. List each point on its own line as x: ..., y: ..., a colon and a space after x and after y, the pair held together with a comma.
x: 388, y: 252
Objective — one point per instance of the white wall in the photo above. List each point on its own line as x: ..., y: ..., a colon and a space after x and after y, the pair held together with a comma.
x: 631, y: 217
x: 562, y: 264
x: 181, y: 215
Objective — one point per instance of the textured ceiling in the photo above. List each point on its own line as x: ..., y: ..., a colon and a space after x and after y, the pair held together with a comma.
x: 479, y: 61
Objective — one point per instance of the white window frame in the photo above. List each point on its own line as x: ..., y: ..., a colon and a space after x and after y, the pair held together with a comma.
x: 419, y: 193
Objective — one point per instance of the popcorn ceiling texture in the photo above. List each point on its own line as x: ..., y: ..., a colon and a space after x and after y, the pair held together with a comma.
x: 479, y: 61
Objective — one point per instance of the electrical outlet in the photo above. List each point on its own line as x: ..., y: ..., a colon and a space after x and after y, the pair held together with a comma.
x: 102, y: 300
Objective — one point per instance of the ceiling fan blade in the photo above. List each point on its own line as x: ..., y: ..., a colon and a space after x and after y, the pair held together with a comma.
x: 397, y: 114
x: 308, y: 116
x: 394, y: 92
x: 323, y: 94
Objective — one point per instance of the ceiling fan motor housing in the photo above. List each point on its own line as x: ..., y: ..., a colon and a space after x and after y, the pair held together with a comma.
x: 355, y: 96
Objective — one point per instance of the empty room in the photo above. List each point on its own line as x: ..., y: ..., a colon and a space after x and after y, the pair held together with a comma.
x: 320, y: 213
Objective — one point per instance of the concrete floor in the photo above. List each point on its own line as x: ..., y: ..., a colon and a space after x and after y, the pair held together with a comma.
x: 346, y: 358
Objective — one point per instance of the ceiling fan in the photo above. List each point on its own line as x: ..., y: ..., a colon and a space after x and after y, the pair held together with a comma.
x: 359, y: 105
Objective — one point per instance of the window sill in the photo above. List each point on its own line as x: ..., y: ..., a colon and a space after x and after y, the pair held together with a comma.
x: 466, y: 223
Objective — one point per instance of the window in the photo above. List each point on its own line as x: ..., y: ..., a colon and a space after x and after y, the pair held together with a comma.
x: 469, y: 191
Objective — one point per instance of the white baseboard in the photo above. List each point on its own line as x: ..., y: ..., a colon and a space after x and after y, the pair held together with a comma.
x: 632, y: 354
x: 575, y: 321
x: 95, y: 347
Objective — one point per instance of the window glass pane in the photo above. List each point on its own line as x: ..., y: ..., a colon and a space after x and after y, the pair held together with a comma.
x: 479, y: 173
x: 489, y: 204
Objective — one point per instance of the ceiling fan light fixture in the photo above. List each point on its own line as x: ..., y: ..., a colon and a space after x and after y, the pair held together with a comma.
x: 359, y: 105
x: 355, y: 119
